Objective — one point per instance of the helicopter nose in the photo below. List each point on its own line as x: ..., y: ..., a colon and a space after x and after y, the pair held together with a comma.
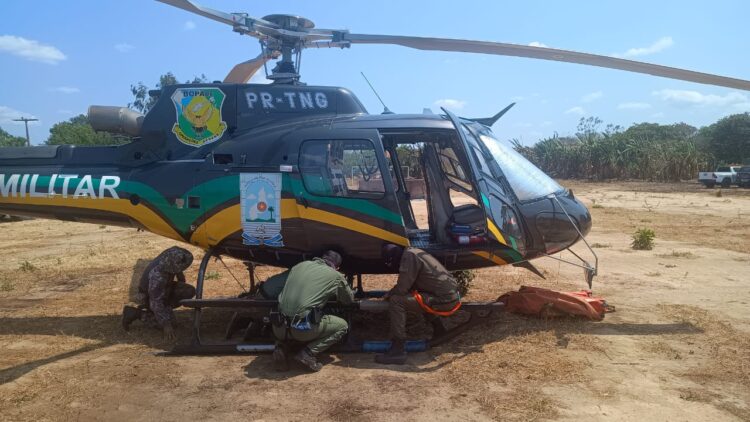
x: 557, y: 221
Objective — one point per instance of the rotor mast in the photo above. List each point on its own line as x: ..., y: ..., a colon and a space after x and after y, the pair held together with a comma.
x: 290, y: 46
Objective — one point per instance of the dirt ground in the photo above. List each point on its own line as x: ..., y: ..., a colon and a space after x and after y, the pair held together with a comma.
x: 677, y: 348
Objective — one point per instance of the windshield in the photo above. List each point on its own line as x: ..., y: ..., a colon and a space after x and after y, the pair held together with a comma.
x: 527, y: 181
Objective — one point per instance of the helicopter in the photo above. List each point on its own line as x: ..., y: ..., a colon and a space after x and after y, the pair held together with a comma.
x: 276, y: 173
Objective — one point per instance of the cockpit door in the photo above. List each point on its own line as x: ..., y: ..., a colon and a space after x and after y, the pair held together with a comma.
x: 346, y: 196
x: 502, y: 222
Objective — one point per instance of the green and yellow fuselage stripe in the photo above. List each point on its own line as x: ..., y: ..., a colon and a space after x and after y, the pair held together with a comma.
x: 150, y: 220
x: 228, y: 221
x: 490, y: 257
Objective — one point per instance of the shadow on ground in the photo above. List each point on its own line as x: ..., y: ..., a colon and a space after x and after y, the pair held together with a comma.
x: 107, y: 331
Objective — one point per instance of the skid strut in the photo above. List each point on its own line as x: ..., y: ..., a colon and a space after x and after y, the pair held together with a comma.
x: 260, y: 308
x: 478, y: 312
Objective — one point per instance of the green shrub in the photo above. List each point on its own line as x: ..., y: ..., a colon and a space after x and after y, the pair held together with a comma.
x: 464, y: 279
x: 643, y: 240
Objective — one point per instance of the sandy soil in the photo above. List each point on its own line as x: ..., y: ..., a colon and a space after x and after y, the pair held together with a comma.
x: 678, y: 347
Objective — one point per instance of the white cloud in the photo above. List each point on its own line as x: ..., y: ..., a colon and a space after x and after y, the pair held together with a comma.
x: 124, y: 47
x: 537, y: 44
x: 450, y: 103
x: 633, y: 106
x: 523, y: 124
x: 63, y: 111
x: 31, y: 50
x: 593, y: 96
x: 547, y: 123
x: 696, y: 99
x: 518, y: 98
x: 576, y: 110
x: 66, y: 89
x: 659, y: 45
x: 7, y: 115
x: 188, y: 26
x: 657, y: 115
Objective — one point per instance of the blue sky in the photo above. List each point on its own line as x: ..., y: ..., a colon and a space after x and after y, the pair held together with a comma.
x: 57, y: 58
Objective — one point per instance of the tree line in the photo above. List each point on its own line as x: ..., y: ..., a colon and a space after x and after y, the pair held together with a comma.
x: 644, y: 151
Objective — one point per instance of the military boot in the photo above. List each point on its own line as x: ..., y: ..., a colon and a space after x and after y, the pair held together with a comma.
x: 130, y: 314
x: 438, y: 326
x: 395, y: 356
x: 308, y: 359
x: 279, y: 358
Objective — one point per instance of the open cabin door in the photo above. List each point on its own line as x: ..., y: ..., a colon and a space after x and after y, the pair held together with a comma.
x: 502, y: 224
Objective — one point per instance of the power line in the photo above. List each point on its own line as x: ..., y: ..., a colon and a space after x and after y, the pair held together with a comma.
x: 26, y: 121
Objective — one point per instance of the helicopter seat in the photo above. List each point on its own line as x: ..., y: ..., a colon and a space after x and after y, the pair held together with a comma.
x: 468, y: 219
x: 468, y: 214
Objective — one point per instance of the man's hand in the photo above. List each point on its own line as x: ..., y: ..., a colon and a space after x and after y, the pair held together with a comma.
x: 169, y: 333
x: 387, y: 295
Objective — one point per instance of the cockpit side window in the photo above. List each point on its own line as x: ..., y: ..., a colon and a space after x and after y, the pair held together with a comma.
x: 341, y: 168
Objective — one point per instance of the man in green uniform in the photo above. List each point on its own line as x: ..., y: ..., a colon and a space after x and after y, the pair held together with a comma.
x: 309, y: 286
x: 273, y: 286
x: 423, y: 278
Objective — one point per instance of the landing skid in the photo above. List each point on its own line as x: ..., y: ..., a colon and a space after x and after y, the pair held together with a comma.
x: 251, y: 316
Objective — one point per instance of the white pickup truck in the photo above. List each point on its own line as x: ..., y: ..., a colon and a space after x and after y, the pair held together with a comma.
x: 724, y: 176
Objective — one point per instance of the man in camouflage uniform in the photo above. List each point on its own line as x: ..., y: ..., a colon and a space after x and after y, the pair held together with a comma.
x: 159, y: 293
x: 309, y: 285
x: 421, y: 272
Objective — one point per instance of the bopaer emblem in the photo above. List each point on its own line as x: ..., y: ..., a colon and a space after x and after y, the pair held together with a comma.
x: 198, y: 115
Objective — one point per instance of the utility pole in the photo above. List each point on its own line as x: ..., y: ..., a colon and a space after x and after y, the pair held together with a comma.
x: 26, y: 121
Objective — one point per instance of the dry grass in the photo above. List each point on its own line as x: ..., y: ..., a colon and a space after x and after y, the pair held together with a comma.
x: 729, y: 347
x: 507, y: 365
x: 345, y: 410
x: 677, y: 254
x: 728, y: 366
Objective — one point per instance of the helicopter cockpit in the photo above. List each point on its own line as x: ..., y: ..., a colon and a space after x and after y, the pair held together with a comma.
x: 471, y: 184
x: 430, y: 177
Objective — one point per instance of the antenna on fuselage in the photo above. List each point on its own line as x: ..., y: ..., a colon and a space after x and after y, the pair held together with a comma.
x: 385, y: 107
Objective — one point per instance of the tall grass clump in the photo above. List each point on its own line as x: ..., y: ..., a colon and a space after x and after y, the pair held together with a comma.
x: 643, y: 240
x: 646, y: 151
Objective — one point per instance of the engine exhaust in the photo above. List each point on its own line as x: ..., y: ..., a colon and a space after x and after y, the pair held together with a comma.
x: 115, y: 120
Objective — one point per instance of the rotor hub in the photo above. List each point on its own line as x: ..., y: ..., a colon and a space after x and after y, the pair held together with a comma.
x: 290, y: 45
x: 290, y: 22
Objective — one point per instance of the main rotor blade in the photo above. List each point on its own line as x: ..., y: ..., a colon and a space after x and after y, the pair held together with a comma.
x: 544, y: 53
x: 206, y: 12
x: 242, y: 72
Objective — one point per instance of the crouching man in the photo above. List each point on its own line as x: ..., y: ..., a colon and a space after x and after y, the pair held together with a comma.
x: 424, y: 285
x: 309, y: 285
x: 162, y: 286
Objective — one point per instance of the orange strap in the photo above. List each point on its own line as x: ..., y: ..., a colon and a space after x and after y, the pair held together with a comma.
x: 429, y: 310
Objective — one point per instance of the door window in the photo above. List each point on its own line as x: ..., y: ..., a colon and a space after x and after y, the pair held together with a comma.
x: 453, y: 169
x: 342, y: 168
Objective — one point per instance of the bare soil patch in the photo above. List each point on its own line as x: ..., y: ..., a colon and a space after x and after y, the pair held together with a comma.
x: 676, y: 349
